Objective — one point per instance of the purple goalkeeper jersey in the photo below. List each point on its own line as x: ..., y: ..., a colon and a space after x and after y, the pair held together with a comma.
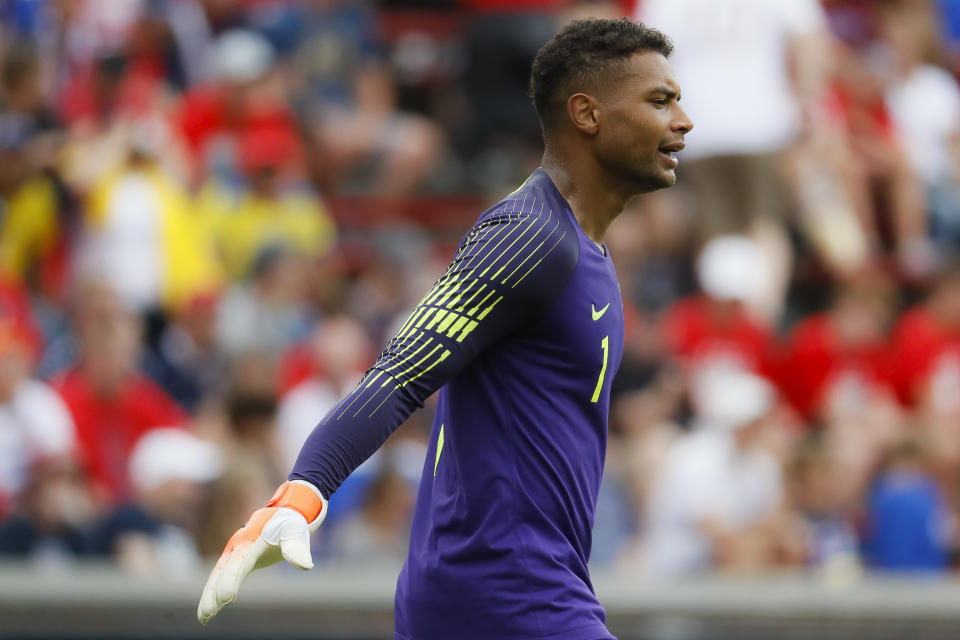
x: 522, y: 336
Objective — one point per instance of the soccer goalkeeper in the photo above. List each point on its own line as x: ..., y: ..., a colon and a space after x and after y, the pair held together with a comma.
x: 522, y: 336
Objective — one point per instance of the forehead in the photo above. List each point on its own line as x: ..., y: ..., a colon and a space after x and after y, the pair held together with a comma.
x: 649, y: 70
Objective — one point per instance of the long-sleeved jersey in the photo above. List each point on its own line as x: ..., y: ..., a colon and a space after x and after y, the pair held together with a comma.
x: 522, y: 335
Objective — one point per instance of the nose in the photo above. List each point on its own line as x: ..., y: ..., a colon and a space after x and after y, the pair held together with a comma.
x: 681, y: 123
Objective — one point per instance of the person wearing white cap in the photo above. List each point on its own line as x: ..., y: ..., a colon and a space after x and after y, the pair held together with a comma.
x: 241, y: 56
x: 732, y: 268
x: 717, y: 499
x: 169, y: 471
x: 720, y: 329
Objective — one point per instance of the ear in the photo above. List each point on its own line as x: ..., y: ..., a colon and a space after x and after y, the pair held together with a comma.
x: 584, y: 111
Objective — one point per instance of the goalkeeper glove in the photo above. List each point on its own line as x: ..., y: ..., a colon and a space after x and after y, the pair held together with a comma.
x: 281, y: 530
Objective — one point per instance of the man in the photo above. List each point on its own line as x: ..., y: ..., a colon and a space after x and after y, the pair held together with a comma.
x: 523, y: 333
x: 717, y: 500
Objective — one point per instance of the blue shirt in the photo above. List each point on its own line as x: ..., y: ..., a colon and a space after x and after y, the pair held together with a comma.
x: 908, y: 523
x: 522, y: 336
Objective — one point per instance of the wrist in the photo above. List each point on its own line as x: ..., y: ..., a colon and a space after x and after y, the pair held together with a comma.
x: 302, y: 497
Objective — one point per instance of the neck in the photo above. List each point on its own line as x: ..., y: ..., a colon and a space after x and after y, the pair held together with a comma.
x: 596, y: 199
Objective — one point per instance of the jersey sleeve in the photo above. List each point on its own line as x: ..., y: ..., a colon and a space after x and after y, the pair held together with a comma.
x: 508, y: 270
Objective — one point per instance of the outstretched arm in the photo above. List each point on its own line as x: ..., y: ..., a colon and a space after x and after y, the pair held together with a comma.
x: 508, y: 269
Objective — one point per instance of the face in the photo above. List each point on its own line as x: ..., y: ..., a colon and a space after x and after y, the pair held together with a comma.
x: 640, y: 124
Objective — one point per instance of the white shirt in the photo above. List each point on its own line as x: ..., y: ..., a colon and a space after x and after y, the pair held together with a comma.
x: 128, y: 248
x: 925, y: 107
x: 730, y: 58
x: 35, y: 424
x: 299, y: 412
x: 705, y: 476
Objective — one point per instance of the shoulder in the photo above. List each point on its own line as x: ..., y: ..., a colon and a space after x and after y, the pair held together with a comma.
x: 537, y: 197
x: 530, y: 227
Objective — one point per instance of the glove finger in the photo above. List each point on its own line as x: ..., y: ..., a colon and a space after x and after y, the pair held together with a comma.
x: 296, y: 550
x: 237, y: 567
x: 208, y: 607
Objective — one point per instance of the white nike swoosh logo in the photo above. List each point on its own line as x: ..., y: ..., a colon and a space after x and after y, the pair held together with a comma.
x: 598, y: 314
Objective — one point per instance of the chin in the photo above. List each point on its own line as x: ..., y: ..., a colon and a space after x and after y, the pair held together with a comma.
x: 660, y: 180
x: 668, y: 179
x: 652, y: 178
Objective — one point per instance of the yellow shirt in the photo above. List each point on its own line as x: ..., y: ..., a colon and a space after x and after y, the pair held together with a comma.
x: 28, y: 227
x: 189, y: 266
x: 297, y: 222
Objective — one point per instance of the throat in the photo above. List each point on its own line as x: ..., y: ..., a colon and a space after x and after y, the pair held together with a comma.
x: 593, y: 229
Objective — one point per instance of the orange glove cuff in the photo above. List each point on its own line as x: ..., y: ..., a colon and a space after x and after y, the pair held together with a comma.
x: 301, y: 499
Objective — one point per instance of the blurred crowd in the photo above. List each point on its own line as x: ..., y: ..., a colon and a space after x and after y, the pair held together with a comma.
x: 213, y: 213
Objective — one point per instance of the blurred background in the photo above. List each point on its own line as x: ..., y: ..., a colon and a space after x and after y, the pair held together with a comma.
x: 213, y: 214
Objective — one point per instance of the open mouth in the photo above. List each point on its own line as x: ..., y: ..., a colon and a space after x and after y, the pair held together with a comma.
x: 668, y: 153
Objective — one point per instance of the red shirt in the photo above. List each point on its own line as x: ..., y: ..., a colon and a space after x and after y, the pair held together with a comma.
x: 139, y: 94
x: 204, y: 116
x: 109, y: 427
x: 15, y: 309
x: 700, y: 338
x: 816, y: 367
x: 927, y: 357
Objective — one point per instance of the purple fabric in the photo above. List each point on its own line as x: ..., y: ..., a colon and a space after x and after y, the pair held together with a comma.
x: 502, y: 529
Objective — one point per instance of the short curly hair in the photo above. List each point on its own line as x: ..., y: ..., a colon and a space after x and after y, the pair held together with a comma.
x: 584, y: 53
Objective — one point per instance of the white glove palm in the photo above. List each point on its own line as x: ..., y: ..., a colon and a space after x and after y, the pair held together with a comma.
x: 279, y: 531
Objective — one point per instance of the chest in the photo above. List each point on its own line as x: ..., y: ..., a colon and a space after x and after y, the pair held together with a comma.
x: 583, y: 332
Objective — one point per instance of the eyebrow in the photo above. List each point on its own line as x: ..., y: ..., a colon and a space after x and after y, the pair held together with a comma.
x: 667, y: 92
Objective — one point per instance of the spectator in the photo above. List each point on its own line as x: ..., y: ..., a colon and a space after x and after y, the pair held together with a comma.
x: 110, y: 80
x: 718, y: 501
x: 16, y: 310
x: 29, y: 231
x: 244, y: 484
x: 892, y: 194
x: 245, y: 96
x: 112, y: 404
x: 92, y: 303
x: 501, y: 40
x: 188, y: 363
x: 270, y: 313
x: 816, y: 492
x: 909, y: 527
x: 35, y: 426
x: 837, y: 363
x: 170, y: 471
x: 378, y: 533
x: 253, y: 429
x: 22, y: 88
x: 772, y: 53
x: 273, y: 210
x: 51, y: 527
x: 924, y: 103
x: 142, y: 232
x: 926, y: 343
x: 643, y: 432
x: 349, y: 103
x: 341, y: 352
x: 22, y: 97
x: 716, y: 330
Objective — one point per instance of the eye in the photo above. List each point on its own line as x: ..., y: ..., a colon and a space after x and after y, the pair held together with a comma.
x: 660, y: 102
